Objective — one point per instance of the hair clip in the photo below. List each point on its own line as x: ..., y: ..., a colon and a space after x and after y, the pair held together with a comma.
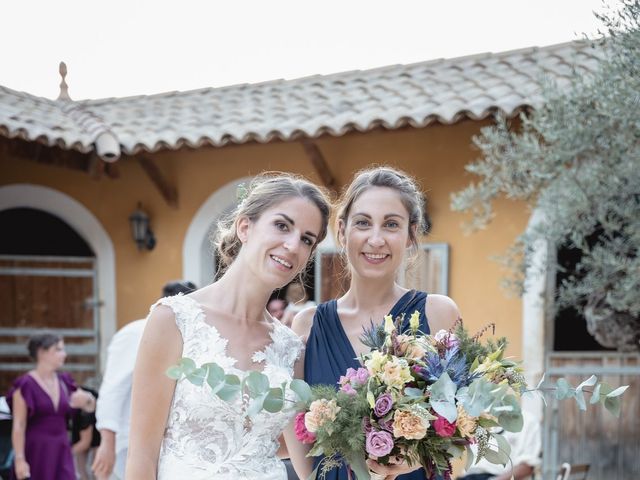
x: 241, y: 192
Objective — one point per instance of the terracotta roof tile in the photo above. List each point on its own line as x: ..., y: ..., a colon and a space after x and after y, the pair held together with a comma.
x: 446, y: 91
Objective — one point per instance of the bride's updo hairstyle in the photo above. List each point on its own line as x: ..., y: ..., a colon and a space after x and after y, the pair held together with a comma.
x: 265, y: 191
x: 388, y: 177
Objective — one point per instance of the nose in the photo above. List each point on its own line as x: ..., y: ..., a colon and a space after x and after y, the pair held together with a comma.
x: 375, y: 239
x: 292, y: 243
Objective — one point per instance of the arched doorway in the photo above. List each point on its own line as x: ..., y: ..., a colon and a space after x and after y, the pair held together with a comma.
x: 57, y: 250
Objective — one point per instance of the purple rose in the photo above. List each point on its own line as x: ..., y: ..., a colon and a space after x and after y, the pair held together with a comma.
x: 386, y: 424
x: 379, y: 443
x: 383, y: 405
x: 366, y: 425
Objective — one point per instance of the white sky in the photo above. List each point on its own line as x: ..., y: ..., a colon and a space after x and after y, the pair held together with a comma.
x: 131, y: 47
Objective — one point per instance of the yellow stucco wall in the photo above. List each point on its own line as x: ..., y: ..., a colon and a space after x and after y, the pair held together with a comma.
x: 436, y: 155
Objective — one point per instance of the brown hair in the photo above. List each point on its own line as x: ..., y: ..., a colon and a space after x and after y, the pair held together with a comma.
x: 44, y: 341
x: 265, y: 191
x: 406, y: 186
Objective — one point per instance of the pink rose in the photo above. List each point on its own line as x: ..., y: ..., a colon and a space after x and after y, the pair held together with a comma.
x: 443, y: 427
x: 348, y: 389
x: 302, y: 434
x: 362, y: 376
x: 379, y: 443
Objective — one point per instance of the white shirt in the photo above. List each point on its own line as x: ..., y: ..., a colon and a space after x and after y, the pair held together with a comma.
x: 526, y: 446
x: 113, y: 410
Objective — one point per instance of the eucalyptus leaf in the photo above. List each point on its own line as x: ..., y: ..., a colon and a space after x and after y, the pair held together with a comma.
x: 479, y: 397
x: 174, y: 372
x: 301, y: 389
x: 470, y: 457
x: 443, y: 396
x: 257, y: 384
x: 197, y: 376
x: 579, y: 397
x: 617, y: 392
x: 595, y: 396
x: 503, y: 445
x: 511, y: 419
x: 495, y: 457
x: 215, y: 375
x: 230, y: 389
x: 589, y: 382
x: 256, y: 404
x: 613, y: 405
x: 274, y: 400
x: 187, y: 365
x: 413, y: 392
x: 563, y: 389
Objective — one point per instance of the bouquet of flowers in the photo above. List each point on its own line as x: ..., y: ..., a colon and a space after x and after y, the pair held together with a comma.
x: 424, y: 399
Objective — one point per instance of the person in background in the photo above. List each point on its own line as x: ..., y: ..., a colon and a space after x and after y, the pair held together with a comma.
x: 41, y: 402
x: 526, y: 449
x: 85, y: 438
x: 297, y: 300
x: 276, y: 307
x: 113, y: 408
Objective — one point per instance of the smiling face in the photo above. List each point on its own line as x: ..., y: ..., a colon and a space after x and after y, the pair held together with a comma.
x: 54, y: 356
x: 376, y: 233
x: 278, y: 244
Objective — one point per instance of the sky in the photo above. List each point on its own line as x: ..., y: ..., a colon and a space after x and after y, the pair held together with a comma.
x: 119, y: 48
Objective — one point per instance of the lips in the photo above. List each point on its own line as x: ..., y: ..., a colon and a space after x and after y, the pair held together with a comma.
x: 375, y: 257
x: 282, y: 261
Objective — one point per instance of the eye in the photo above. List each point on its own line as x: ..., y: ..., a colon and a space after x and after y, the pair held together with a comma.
x: 308, y: 241
x: 282, y: 226
x: 392, y: 224
x: 361, y: 222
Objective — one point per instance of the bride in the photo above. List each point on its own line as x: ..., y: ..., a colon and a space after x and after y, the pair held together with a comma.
x: 179, y: 430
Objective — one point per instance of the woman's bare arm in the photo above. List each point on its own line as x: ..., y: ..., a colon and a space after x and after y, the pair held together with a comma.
x: 152, y: 392
x: 18, y: 432
x: 302, y: 464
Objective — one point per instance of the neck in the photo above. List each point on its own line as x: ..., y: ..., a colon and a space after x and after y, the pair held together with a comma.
x: 45, y: 371
x: 368, y: 294
x: 240, y: 294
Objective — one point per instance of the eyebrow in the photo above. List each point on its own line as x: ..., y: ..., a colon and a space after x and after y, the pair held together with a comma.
x: 388, y: 215
x: 290, y: 220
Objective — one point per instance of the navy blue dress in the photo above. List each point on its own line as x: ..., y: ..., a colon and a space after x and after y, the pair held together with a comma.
x: 329, y: 353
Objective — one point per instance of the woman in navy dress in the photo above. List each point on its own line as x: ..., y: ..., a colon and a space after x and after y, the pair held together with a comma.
x: 379, y: 219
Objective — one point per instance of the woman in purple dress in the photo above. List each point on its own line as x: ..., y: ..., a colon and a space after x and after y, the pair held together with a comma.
x: 40, y: 402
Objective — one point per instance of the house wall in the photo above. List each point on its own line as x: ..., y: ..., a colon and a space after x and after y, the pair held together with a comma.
x: 436, y: 155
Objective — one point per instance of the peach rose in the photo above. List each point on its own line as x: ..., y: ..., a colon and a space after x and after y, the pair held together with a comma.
x: 409, y: 425
x: 320, y: 412
x: 410, y: 348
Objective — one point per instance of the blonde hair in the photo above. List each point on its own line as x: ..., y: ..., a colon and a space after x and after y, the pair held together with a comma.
x: 388, y: 177
x: 265, y: 191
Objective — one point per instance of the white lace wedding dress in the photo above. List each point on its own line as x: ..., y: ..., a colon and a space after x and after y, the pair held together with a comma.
x: 208, y: 438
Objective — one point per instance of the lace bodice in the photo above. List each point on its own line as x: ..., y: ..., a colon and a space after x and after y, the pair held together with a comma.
x: 206, y: 437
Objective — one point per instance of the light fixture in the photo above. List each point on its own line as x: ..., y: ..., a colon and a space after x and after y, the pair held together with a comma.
x: 141, y: 229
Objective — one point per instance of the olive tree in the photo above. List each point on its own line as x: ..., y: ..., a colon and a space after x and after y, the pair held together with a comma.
x: 576, y: 159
